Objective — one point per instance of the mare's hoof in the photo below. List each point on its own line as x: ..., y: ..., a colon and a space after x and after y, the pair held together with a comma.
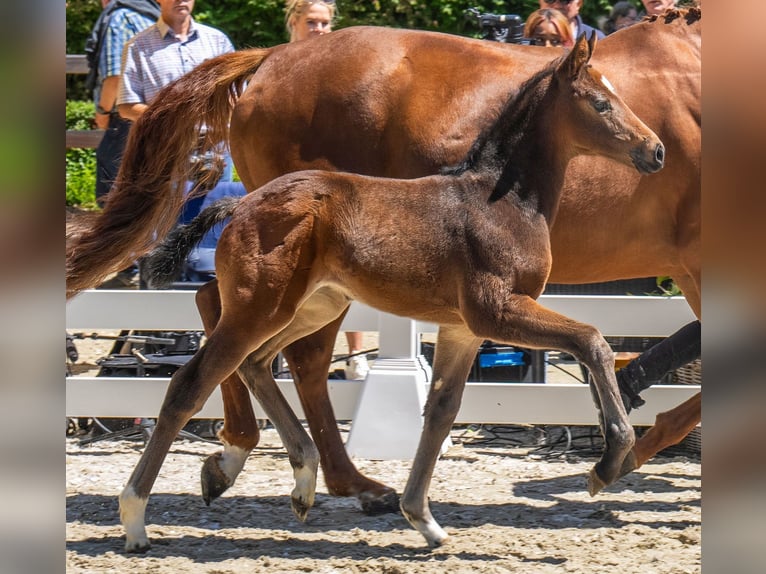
x: 214, y: 481
x: 386, y: 504
x: 595, y: 484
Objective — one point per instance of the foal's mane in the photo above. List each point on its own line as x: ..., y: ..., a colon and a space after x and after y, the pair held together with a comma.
x: 512, y: 120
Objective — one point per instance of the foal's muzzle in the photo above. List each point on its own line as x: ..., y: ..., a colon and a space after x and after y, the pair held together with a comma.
x: 648, y: 157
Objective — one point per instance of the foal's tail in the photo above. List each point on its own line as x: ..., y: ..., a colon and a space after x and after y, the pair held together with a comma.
x: 148, y: 194
x: 164, y: 263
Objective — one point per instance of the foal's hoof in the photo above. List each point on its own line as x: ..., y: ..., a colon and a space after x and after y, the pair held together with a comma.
x: 300, y: 508
x: 384, y: 504
x: 214, y: 481
x: 137, y: 546
x: 595, y: 484
x: 628, y: 465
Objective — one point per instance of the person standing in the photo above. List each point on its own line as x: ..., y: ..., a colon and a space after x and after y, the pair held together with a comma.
x: 307, y: 19
x: 571, y: 9
x: 119, y: 21
x: 623, y: 15
x: 163, y: 53
x: 656, y: 7
x: 548, y: 27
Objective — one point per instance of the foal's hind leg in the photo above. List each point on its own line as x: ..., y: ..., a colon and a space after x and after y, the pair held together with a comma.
x: 526, y: 323
x: 455, y: 352
x: 189, y: 388
x: 240, y: 433
x: 323, y: 306
x: 309, y: 359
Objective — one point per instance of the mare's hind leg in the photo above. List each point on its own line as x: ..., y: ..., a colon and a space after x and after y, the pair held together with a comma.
x: 189, y: 388
x: 309, y: 359
x: 240, y: 433
x: 526, y: 323
x: 455, y: 352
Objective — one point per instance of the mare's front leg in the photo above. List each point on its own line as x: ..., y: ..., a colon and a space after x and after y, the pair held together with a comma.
x: 189, y: 388
x: 240, y: 433
x: 455, y: 352
x: 670, y: 428
x: 309, y: 359
x: 673, y: 352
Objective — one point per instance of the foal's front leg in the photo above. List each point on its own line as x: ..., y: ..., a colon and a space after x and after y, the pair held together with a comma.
x: 455, y: 352
x: 526, y: 323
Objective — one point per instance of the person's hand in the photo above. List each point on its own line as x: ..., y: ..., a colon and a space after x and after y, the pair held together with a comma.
x: 102, y: 121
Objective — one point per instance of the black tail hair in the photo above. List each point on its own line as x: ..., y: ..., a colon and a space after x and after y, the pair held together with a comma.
x: 165, y: 262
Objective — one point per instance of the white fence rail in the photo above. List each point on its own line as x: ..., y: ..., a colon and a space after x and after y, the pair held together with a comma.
x: 500, y: 403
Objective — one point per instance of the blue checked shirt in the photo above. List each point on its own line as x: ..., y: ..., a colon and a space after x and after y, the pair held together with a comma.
x: 122, y: 26
x: 156, y: 57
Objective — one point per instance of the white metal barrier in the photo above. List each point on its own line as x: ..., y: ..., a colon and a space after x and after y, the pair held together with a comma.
x: 389, y: 403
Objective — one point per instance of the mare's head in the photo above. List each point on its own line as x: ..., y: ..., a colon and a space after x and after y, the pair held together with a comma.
x: 595, y: 120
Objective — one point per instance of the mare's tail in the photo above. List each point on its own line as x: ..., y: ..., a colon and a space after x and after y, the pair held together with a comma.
x: 164, y: 264
x: 149, y: 191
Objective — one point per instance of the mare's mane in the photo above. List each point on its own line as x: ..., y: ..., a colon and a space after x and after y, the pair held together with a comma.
x: 690, y: 15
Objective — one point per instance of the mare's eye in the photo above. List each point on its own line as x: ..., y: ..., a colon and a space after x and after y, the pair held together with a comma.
x: 602, y: 106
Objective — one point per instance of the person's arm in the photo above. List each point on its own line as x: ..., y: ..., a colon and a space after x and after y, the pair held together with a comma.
x: 131, y: 111
x: 106, y: 101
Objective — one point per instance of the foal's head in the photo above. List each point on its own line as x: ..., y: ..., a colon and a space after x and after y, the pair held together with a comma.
x: 594, y: 120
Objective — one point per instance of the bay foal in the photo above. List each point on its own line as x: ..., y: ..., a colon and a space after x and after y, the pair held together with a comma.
x: 468, y: 249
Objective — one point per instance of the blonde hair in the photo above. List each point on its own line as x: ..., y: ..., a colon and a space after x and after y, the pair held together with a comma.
x: 294, y: 9
x: 558, y: 19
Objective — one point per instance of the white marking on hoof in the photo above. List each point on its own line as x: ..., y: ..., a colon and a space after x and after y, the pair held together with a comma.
x: 430, y: 529
x: 232, y: 461
x: 304, y: 491
x: 132, y: 510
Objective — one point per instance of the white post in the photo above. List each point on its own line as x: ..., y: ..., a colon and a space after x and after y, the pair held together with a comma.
x: 389, y: 416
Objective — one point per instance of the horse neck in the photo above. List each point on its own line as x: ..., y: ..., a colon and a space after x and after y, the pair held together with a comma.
x: 523, y: 154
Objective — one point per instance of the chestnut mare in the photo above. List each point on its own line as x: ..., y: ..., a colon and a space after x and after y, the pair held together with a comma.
x: 405, y: 104
x: 468, y: 249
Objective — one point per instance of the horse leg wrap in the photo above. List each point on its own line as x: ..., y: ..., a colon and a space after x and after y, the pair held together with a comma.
x: 675, y: 351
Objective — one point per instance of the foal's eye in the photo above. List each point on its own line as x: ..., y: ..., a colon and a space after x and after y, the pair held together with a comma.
x: 602, y: 106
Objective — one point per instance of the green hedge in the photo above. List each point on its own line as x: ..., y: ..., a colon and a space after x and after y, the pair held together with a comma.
x: 80, y: 163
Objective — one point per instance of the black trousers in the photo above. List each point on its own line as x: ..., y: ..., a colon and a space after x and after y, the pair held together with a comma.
x: 109, y: 155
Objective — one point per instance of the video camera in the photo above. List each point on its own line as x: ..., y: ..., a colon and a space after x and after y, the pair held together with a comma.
x: 508, y: 28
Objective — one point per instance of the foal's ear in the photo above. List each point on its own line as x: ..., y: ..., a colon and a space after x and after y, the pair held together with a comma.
x: 579, y: 56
